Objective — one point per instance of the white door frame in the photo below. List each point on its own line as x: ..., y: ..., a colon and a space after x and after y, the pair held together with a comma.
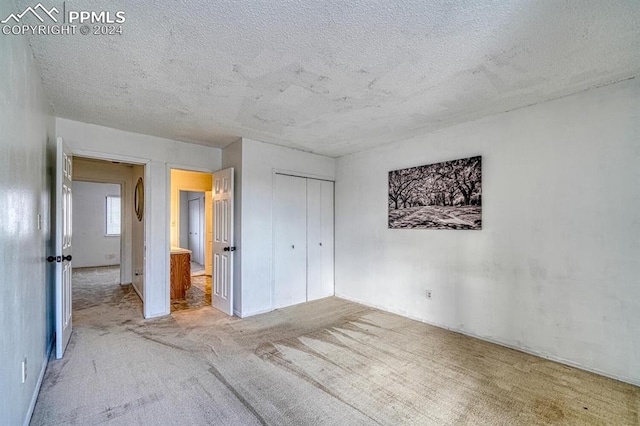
x: 96, y: 155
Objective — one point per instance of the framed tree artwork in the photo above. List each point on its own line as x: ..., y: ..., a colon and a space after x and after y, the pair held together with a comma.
x: 445, y: 195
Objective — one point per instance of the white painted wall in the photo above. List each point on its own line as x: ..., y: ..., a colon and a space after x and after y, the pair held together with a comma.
x: 259, y: 160
x: 91, y: 247
x: 26, y: 294
x: 159, y: 155
x: 555, y: 269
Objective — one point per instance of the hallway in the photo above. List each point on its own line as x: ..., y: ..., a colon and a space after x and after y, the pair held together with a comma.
x: 99, y: 286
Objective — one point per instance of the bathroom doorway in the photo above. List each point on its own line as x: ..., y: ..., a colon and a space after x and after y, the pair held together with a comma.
x: 190, y: 276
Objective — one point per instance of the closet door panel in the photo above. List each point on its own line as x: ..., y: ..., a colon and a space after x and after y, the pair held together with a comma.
x: 315, y: 244
x: 290, y: 240
x: 327, y: 218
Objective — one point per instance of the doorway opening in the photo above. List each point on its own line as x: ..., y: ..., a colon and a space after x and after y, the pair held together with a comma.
x: 108, y: 237
x: 215, y: 287
x: 191, y: 225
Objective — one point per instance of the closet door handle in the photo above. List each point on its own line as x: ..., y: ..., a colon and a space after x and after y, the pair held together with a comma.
x: 293, y: 246
x: 320, y: 244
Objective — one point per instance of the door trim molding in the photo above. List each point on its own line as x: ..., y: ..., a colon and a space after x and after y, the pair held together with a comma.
x: 99, y: 155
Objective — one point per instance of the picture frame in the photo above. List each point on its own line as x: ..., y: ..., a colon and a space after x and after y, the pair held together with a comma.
x: 138, y: 199
x: 446, y: 195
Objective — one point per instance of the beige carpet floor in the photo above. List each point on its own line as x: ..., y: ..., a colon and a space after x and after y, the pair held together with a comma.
x: 328, y: 362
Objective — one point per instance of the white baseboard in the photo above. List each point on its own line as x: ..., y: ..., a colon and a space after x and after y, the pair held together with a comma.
x: 36, y: 391
x: 529, y: 351
x: 258, y: 312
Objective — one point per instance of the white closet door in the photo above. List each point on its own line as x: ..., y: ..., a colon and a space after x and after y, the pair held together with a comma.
x: 290, y: 240
x: 327, y: 214
x: 319, y: 239
x: 314, y: 239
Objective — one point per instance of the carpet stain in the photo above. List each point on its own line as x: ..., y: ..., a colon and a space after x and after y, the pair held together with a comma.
x: 120, y: 410
x: 153, y: 339
x: 268, y: 352
x: 549, y: 410
x: 213, y: 370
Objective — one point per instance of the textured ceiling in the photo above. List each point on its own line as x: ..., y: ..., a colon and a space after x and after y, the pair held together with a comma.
x: 331, y: 77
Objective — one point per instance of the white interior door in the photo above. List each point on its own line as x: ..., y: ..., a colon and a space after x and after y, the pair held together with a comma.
x: 63, y: 216
x: 319, y: 239
x: 194, y: 230
x: 327, y: 239
x: 314, y: 239
x: 208, y: 220
x: 222, y: 277
x: 290, y: 240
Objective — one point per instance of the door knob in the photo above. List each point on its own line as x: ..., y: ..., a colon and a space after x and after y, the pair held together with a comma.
x: 229, y: 249
x: 59, y: 259
x: 320, y: 244
x: 292, y: 246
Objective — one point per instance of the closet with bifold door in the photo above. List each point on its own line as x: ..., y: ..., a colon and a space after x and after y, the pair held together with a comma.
x: 303, y: 239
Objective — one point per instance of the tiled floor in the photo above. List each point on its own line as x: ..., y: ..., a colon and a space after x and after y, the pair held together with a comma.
x: 197, y: 296
x: 197, y: 269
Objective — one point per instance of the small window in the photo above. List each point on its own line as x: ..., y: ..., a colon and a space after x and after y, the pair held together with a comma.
x: 113, y: 216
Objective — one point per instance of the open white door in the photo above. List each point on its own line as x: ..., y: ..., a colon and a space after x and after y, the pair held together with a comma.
x: 222, y: 277
x: 63, y: 246
x: 208, y: 241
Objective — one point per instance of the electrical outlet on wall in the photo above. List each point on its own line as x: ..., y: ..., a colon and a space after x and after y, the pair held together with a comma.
x: 428, y: 294
x: 24, y: 370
